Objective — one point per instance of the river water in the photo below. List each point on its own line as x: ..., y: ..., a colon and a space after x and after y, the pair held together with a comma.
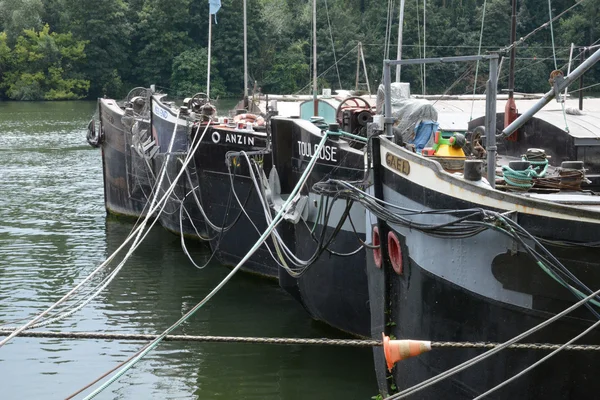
x: 54, y: 231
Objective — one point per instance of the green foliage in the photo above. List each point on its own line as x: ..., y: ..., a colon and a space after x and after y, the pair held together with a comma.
x: 25, y: 86
x: 161, y: 34
x: 104, y: 26
x: 5, y: 54
x: 128, y: 43
x: 41, y: 66
x: 18, y: 15
x: 289, y: 71
x: 189, y: 74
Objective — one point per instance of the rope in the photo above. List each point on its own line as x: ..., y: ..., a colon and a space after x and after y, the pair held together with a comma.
x: 328, y: 69
x: 481, y: 357
x: 201, y: 339
x: 552, y: 33
x: 388, y: 31
x: 333, y: 45
x: 536, y: 30
x: 584, y: 88
x: 532, y: 366
x: 524, y: 179
x: 478, y: 53
x: 288, y: 341
x: 419, y: 37
x: 516, y: 346
x: 276, y: 220
x: 155, y: 205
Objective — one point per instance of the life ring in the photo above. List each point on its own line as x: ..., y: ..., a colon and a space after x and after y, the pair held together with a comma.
x: 255, y: 120
x: 246, y: 117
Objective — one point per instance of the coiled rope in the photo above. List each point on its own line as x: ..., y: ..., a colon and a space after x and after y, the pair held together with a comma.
x: 523, y: 180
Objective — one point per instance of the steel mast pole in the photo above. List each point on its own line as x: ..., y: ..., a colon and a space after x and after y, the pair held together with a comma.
x: 245, y: 55
x: 316, y: 104
x: 400, y: 28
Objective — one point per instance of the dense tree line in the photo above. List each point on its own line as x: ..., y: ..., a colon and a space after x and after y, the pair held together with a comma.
x: 70, y: 49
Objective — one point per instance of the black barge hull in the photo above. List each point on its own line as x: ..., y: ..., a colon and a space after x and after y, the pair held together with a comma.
x: 333, y: 289
x: 482, y: 288
x: 127, y: 179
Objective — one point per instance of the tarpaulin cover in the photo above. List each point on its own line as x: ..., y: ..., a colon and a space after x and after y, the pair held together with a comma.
x: 410, y: 114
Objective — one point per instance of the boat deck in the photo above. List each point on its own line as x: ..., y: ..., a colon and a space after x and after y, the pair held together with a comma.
x: 584, y: 126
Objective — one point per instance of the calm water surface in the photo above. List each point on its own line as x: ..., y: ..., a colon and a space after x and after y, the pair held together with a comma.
x: 54, y: 232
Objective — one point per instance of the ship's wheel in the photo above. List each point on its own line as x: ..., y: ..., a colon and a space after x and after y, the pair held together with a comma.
x: 197, y: 101
x: 351, y: 102
x: 137, y: 92
x: 475, y: 143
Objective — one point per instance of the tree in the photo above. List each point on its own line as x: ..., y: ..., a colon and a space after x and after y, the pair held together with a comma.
x: 43, y: 67
x: 290, y: 70
x: 18, y: 15
x: 189, y: 74
x: 105, y: 28
x: 161, y: 34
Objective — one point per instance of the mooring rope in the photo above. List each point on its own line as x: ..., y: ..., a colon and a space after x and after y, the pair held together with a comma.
x: 532, y: 366
x: 287, y: 341
x: 276, y: 220
x: 489, y: 353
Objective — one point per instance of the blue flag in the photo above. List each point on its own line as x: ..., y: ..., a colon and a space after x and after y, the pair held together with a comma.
x: 214, y: 6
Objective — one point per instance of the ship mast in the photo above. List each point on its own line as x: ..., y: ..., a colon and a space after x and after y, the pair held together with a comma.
x: 245, y: 58
x: 400, y: 27
x: 316, y: 104
x: 510, y: 110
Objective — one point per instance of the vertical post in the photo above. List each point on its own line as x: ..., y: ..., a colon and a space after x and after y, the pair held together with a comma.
x: 569, y: 68
x: 387, y: 83
x: 365, y: 69
x: 490, y: 121
x: 513, y: 51
x: 316, y: 104
x: 581, y: 59
x: 400, y: 28
x: 357, y: 64
x: 424, y: 46
x: 245, y: 55
x: 209, y: 42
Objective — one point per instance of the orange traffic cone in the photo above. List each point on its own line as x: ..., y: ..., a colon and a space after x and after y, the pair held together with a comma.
x: 396, y: 350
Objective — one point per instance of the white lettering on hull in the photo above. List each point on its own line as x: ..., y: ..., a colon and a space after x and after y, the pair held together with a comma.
x: 239, y: 139
x: 327, y: 153
x: 162, y: 113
